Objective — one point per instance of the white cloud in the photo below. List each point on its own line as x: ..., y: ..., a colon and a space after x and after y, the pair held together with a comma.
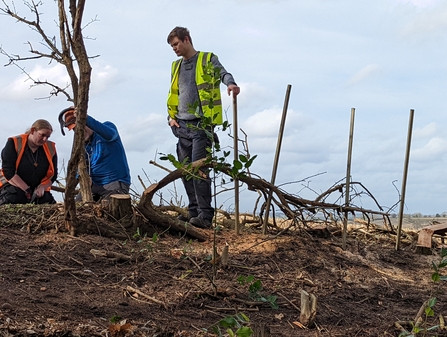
x: 364, y: 74
x: 432, y: 151
x: 420, y: 3
x: 266, y: 123
x: 23, y: 86
x: 143, y: 133
x: 429, y: 23
x: 103, y: 76
x: 427, y: 131
x: 253, y: 96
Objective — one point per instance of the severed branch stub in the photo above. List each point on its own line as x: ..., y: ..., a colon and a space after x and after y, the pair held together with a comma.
x: 308, y: 308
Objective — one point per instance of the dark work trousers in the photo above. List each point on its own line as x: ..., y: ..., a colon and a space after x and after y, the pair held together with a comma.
x: 10, y: 194
x: 105, y: 191
x: 192, y: 145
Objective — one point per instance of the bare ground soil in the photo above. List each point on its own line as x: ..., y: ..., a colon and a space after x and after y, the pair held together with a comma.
x: 54, y: 284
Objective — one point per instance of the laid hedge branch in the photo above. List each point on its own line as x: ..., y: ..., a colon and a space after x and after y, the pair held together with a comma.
x: 293, y: 207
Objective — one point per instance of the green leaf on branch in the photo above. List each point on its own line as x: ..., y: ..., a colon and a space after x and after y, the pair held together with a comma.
x: 237, y: 165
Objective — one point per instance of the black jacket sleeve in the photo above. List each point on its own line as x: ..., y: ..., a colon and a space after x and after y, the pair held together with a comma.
x: 55, y: 168
x: 9, y: 158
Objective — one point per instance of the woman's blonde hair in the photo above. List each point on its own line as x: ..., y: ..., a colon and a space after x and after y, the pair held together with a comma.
x: 40, y: 124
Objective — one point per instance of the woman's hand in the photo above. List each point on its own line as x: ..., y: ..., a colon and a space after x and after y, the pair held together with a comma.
x: 40, y: 190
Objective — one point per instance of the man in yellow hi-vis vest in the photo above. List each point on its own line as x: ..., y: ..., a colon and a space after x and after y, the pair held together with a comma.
x: 187, y: 90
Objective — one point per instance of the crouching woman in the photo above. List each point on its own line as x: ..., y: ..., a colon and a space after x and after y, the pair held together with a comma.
x: 29, y: 166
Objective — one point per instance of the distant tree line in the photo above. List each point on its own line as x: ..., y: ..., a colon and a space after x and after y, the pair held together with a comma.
x: 420, y: 215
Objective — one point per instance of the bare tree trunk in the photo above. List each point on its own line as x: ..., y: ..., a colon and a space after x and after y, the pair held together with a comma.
x: 81, y: 95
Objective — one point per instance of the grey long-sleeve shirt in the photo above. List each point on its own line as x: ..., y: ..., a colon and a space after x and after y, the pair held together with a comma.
x: 188, y: 93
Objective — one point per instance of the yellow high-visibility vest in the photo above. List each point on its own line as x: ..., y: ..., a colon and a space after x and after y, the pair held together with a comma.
x: 204, y: 89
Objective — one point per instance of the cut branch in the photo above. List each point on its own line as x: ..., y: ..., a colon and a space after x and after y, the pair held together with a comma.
x: 296, y: 208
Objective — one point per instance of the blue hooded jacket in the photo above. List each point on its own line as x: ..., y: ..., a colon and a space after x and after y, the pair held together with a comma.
x: 106, y: 157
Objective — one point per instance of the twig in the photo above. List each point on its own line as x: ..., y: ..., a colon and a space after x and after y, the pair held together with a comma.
x: 421, y: 310
x: 89, y: 298
x: 114, y: 255
x: 76, y: 238
x: 129, y: 288
x: 141, y: 182
x: 198, y: 267
x: 291, y: 303
x: 231, y: 309
x: 159, y: 166
x: 400, y: 327
x: 78, y: 262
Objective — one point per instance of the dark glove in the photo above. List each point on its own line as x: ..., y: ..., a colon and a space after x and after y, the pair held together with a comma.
x: 28, y: 193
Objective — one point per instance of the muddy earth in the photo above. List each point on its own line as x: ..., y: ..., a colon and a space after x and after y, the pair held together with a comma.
x: 54, y: 284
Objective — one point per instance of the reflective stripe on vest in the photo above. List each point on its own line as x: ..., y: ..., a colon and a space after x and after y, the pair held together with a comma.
x: 204, y: 88
x: 174, y: 91
x: 49, y: 148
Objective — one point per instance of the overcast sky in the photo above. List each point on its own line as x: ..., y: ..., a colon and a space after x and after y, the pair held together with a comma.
x: 380, y: 57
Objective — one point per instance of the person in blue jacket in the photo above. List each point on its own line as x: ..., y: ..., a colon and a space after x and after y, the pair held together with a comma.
x: 105, y: 155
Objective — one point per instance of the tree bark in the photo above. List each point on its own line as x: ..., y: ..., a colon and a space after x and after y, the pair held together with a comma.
x: 120, y: 208
x: 147, y: 208
x: 81, y: 87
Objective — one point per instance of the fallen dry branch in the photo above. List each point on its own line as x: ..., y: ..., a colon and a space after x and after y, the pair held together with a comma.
x: 421, y: 311
x: 147, y: 208
x: 293, y: 207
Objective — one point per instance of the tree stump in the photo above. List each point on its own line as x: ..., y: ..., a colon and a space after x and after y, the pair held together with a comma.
x: 308, y: 308
x: 120, y: 208
x: 261, y: 330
